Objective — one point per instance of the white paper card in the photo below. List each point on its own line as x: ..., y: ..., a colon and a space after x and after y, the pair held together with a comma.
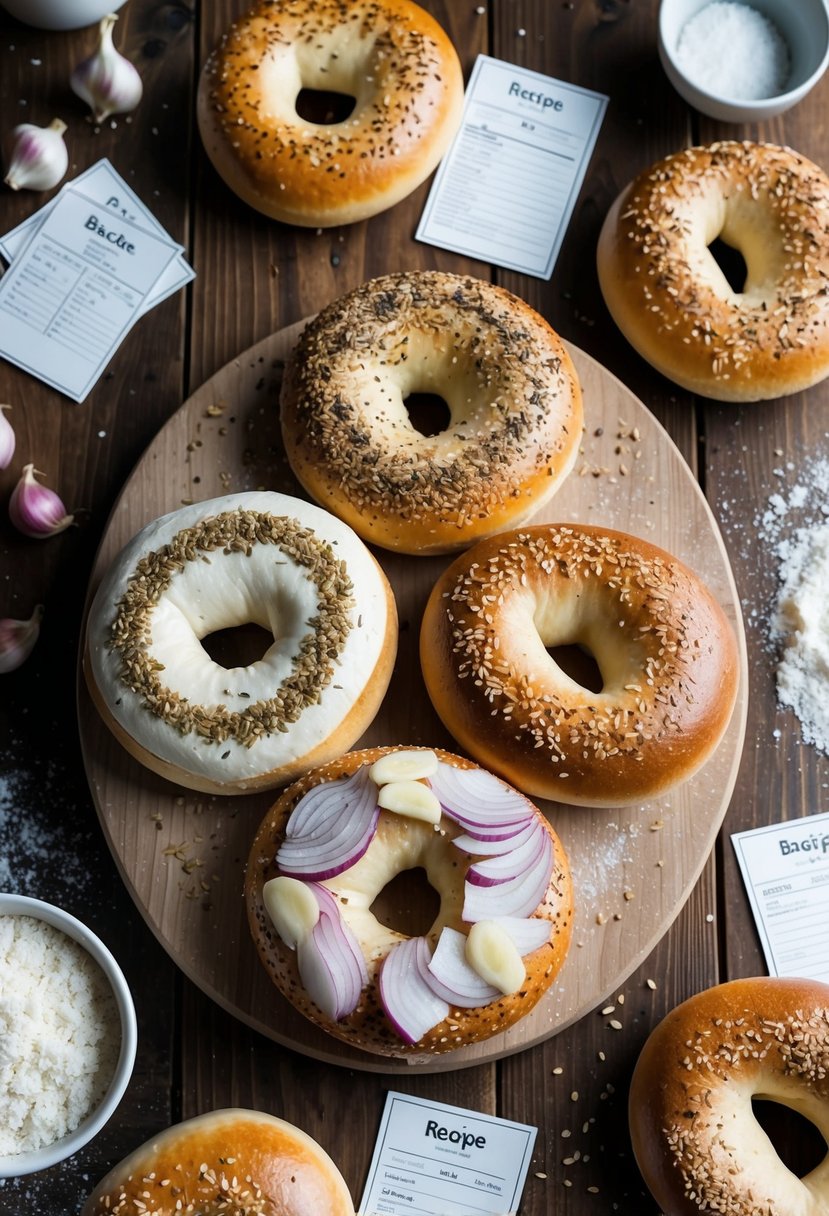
x: 785, y: 868
x: 75, y: 290
x: 506, y: 189
x: 438, y: 1160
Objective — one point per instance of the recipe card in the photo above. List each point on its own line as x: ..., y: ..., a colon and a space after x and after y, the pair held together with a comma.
x: 438, y: 1160
x: 507, y: 187
x: 75, y: 289
x: 785, y: 867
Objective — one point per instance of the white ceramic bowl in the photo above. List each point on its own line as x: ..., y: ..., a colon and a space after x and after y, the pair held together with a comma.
x: 60, y: 14
x: 804, y: 24
x: 41, y: 1159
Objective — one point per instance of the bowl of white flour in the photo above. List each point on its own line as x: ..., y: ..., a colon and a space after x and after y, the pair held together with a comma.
x: 67, y: 1035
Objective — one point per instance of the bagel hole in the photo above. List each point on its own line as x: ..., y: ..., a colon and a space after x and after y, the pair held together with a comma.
x: 796, y: 1140
x: 239, y: 646
x: 322, y: 108
x: 731, y: 262
x: 578, y: 663
x: 409, y: 904
x: 428, y: 413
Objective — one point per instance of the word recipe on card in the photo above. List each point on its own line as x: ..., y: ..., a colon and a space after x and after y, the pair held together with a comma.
x: 438, y: 1160
x: 506, y: 189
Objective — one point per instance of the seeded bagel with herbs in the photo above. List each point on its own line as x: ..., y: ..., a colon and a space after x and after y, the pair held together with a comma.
x: 666, y: 292
x: 511, y: 389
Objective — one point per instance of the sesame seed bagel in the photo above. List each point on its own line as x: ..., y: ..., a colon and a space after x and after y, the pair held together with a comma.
x: 390, y: 56
x: 696, y: 1138
x: 238, y: 1162
x: 513, y: 396
x: 666, y: 655
x: 674, y: 304
x: 252, y: 558
x: 400, y: 843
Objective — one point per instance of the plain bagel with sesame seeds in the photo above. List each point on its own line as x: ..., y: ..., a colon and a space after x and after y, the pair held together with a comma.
x: 256, y: 558
x: 513, y: 397
x: 234, y: 1161
x: 768, y: 337
x: 666, y: 655
x: 390, y: 56
x: 696, y: 1138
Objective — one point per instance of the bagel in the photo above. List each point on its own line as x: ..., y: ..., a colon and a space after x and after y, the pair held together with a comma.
x: 238, y: 1162
x: 265, y: 558
x: 672, y: 301
x: 697, y: 1142
x: 390, y: 56
x: 315, y: 872
x: 512, y: 392
x: 666, y: 654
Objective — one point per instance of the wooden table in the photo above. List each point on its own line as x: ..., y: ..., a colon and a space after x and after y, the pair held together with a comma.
x: 254, y: 277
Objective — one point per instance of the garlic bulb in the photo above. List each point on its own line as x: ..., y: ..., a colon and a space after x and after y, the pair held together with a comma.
x: 7, y: 439
x: 17, y: 639
x: 107, y: 81
x: 35, y: 510
x: 37, y: 157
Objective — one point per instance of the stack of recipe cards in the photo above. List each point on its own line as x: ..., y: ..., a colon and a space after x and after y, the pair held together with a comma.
x: 82, y: 271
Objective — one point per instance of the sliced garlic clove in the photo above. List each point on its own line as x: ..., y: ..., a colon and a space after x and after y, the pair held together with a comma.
x: 492, y: 953
x: 410, y: 798
x: 292, y: 907
x: 409, y: 765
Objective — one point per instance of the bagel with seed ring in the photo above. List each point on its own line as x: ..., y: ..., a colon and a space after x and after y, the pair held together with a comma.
x: 262, y: 558
x: 666, y: 654
x: 695, y: 1136
x: 333, y: 842
x: 513, y: 396
x: 390, y: 56
x: 238, y: 1162
x: 671, y: 300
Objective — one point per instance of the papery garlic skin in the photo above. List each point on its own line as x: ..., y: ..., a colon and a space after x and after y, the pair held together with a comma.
x: 35, y: 510
x: 17, y: 640
x: 37, y: 157
x: 7, y: 439
x: 107, y: 81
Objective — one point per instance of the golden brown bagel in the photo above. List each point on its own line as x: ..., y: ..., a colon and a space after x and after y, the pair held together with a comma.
x: 513, y: 396
x: 238, y: 1162
x: 391, y: 56
x: 670, y: 298
x: 401, y: 843
x: 696, y: 1139
x: 666, y: 653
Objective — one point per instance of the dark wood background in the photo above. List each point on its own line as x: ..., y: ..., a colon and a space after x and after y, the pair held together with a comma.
x: 254, y: 276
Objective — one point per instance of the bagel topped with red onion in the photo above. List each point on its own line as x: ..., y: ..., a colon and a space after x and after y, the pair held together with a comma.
x: 374, y: 973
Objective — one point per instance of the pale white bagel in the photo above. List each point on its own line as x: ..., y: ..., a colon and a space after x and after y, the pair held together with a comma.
x: 259, y: 557
x: 512, y: 392
x: 696, y: 1138
x: 238, y: 1162
x: 391, y: 56
x: 671, y: 300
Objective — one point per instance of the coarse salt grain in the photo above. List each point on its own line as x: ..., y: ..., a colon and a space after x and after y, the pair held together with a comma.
x: 732, y: 50
x: 59, y: 1034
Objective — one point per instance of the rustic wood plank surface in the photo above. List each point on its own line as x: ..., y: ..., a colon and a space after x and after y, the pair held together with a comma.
x: 254, y: 277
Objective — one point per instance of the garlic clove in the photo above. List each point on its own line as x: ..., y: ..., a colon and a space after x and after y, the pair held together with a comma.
x: 35, y: 510
x: 7, y: 439
x: 17, y: 639
x: 493, y: 954
x: 107, y: 81
x: 37, y: 157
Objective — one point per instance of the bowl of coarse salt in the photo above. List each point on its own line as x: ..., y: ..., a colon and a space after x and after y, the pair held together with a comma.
x: 67, y: 1035
x: 743, y: 62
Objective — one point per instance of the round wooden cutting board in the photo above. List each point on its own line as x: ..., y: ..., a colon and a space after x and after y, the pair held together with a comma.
x: 182, y: 854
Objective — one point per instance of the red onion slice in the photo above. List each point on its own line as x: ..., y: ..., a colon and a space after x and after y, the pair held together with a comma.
x: 517, y: 896
x: 505, y: 866
x: 330, y: 828
x: 525, y: 934
x: 411, y: 1005
x: 453, y: 979
x: 475, y: 797
x: 330, y: 961
x: 490, y: 847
